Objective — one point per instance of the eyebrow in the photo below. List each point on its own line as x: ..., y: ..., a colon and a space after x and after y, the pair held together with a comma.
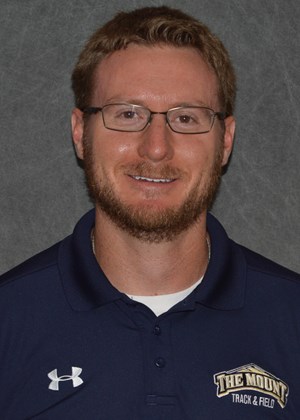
x: 142, y: 103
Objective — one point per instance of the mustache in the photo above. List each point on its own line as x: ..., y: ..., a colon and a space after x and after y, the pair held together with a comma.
x: 148, y: 170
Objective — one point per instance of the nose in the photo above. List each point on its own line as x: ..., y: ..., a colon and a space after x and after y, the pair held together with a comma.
x: 156, y: 140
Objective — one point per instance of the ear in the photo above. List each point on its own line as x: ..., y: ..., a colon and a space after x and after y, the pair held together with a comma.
x: 77, y: 131
x: 228, y: 138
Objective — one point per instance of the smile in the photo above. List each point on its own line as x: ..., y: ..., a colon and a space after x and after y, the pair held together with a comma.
x: 157, y: 180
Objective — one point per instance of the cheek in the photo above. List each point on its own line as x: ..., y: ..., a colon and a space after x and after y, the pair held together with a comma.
x: 116, y: 145
x: 110, y: 154
x: 207, y: 161
x: 200, y: 156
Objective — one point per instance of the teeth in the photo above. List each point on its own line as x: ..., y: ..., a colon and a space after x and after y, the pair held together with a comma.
x: 143, y: 178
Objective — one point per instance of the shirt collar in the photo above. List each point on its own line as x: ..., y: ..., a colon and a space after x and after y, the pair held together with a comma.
x: 86, y: 286
x: 224, y: 283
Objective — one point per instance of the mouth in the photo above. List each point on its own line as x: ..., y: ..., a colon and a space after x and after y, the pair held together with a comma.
x: 155, y: 180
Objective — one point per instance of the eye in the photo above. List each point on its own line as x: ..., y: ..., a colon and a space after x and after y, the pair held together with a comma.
x: 129, y: 114
x: 126, y: 114
x: 185, y: 119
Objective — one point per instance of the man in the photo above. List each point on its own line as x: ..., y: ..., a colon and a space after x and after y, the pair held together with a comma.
x: 148, y: 310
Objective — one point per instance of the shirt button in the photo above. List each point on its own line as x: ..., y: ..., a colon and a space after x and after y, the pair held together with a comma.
x: 160, y: 362
x: 157, y: 330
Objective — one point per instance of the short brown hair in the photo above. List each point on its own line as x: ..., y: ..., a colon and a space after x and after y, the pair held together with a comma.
x: 151, y: 26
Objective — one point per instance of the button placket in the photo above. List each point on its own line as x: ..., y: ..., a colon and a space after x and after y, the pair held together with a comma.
x: 159, y: 362
x: 159, y: 374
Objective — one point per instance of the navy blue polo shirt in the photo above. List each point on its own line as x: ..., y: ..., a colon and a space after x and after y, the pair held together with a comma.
x: 73, y: 347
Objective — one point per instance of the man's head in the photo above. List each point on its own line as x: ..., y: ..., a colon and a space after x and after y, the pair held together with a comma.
x: 152, y: 26
x: 154, y: 182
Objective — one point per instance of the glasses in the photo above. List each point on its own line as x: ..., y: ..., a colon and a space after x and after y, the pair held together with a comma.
x: 183, y: 119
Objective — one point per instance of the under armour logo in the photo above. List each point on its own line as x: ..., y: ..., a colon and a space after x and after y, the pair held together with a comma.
x: 54, y: 385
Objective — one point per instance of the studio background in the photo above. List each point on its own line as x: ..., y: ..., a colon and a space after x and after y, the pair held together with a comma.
x: 41, y: 185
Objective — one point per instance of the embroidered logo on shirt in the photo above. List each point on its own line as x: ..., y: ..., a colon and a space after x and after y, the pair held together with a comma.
x: 55, y: 380
x: 252, y: 377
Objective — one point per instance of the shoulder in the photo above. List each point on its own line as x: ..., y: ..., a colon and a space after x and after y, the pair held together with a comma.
x: 241, y: 261
x: 41, y: 262
x: 31, y: 288
x: 271, y: 284
x: 262, y: 266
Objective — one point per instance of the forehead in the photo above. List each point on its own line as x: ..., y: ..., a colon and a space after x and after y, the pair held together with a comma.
x: 167, y: 75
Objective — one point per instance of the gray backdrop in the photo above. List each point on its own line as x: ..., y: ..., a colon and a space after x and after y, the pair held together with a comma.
x: 42, y: 188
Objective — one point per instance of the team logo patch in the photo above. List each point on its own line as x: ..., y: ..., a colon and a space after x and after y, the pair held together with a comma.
x: 252, y: 377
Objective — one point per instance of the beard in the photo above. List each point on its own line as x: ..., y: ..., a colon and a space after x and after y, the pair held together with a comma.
x: 147, y: 223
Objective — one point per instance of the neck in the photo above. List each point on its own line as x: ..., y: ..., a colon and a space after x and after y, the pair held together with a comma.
x: 148, y: 269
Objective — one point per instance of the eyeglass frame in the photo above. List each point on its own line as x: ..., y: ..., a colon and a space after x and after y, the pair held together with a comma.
x: 219, y: 114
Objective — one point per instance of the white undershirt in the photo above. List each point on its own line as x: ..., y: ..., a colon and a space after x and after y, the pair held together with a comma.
x: 162, y: 303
